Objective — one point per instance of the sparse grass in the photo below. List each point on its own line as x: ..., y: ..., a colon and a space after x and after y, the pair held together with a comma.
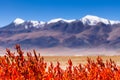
x: 78, y: 59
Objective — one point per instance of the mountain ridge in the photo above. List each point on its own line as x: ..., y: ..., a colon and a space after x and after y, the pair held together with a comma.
x: 87, y: 32
x: 92, y: 20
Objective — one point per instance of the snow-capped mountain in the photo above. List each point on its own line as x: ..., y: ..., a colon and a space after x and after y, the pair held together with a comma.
x: 37, y: 23
x: 60, y: 19
x: 86, y: 20
x: 18, y: 21
x: 89, y: 31
x: 28, y: 24
x: 93, y: 20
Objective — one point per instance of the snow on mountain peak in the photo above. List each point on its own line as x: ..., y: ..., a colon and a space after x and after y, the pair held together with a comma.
x: 88, y: 19
x: 114, y: 22
x: 37, y: 23
x: 60, y: 19
x: 93, y: 20
x: 18, y: 21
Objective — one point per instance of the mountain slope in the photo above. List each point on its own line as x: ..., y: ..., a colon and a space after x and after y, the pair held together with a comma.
x: 88, y: 32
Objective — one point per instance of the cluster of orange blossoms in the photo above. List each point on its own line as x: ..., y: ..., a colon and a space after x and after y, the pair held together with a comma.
x: 19, y: 67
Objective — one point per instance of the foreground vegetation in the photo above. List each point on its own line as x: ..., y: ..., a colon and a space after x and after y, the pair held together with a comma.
x: 16, y: 66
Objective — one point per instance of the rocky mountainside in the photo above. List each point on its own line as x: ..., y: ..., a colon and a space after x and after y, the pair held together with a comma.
x: 87, y: 32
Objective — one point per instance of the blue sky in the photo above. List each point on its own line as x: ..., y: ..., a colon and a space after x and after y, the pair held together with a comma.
x: 45, y: 10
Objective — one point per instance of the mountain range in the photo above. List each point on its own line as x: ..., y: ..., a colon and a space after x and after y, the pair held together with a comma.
x: 87, y: 32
